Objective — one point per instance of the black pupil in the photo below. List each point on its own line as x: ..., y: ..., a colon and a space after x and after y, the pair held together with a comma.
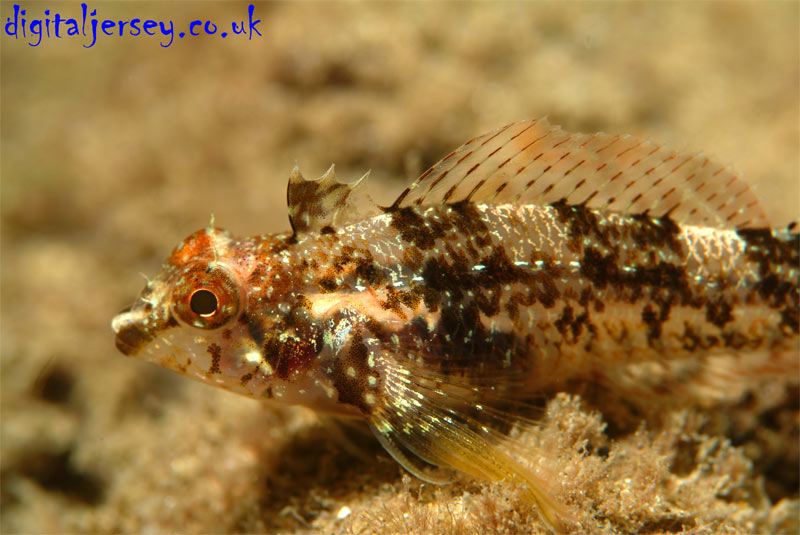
x: 203, y: 303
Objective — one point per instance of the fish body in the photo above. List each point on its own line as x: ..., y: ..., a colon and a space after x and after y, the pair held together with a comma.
x: 527, y: 258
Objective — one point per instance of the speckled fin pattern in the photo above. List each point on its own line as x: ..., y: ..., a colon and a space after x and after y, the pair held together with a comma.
x: 532, y: 162
x: 318, y: 206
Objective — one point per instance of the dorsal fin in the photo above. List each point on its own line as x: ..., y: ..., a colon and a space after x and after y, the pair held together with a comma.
x: 532, y: 162
x: 324, y: 204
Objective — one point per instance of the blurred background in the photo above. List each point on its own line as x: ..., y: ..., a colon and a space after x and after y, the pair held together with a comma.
x: 112, y: 154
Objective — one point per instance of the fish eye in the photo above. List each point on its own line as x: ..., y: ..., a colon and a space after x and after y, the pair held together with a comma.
x: 206, y: 296
x: 203, y: 303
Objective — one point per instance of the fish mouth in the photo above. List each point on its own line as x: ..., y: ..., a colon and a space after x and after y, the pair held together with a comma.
x: 131, y: 336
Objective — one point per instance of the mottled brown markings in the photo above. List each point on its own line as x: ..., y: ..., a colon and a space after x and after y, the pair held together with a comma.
x: 587, y: 296
x: 410, y: 298
x: 562, y: 324
x: 449, y: 279
x: 282, y: 243
x: 226, y: 334
x: 354, y: 262
x: 774, y: 290
x: 663, y: 284
x: 468, y: 220
x: 459, y: 277
x: 581, y: 223
x: 393, y: 302
x: 763, y: 247
x: 314, y: 201
x: 719, y: 312
x: 488, y: 305
x: 328, y: 284
x: 290, y: 354
x: 423, y: 230
x: 302, y: 302
x: 769, y: 250
x: 662, y: 233
x: 441, y: 277
x: 691, y: 340
x: 377, y: 329
x: 258, y: 273
x: 653, y: 321
x: 413, y: 258
x: 738, y: 341
x: 345, y: 257
x: 571, y: 326
x: 351, y: 371
x: 598, y: 268
x: 244, y: 379
x: 292, y: 343
x: 369, y: 272
x: 216, y: 354
x: 327, y: 229
x: 604, y: 270
x: 171, y: 322
x: 301, y: 340
x: 461, y: 346
x: 414, y: 229
x: 540, y: 286
x: 255, y: 327
x: 131, y: 338
x: 790, y: 320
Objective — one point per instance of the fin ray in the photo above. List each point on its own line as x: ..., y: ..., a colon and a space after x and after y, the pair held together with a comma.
x: 532, y: 162
x: 427, y: 419
x: 323, y: 204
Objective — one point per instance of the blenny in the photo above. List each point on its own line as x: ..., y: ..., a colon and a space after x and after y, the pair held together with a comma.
x: 526, y: 258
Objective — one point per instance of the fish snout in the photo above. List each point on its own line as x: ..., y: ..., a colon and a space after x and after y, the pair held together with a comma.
x: 131, y: 334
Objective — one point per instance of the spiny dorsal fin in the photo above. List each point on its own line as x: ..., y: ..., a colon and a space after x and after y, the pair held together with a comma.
x: 532, y: 162
x: 324, y: 204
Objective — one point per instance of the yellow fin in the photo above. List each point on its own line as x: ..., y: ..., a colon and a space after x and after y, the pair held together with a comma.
x: 430, y: 416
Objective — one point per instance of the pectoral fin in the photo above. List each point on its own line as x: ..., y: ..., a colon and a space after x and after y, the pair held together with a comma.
x: 428, y: 422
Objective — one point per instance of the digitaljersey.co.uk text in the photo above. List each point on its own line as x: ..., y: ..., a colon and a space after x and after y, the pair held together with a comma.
x: 37, y: 28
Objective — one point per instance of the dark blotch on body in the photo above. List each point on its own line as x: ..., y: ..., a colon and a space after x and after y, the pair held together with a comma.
x: 763, y: 247
x: 581, y: 223
x: 353, y: 386
x: 719, y: 312
x: 216, y: 354
x: 413, y: 228
x: 650, y: 232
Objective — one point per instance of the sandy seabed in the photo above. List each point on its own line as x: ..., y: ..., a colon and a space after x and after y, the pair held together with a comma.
x: 112, y: 154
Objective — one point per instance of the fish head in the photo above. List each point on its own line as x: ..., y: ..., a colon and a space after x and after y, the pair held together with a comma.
x: 227, y: 312
x: 194, y: 302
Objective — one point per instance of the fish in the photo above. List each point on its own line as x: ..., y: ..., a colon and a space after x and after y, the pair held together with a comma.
x: 527, y: 258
